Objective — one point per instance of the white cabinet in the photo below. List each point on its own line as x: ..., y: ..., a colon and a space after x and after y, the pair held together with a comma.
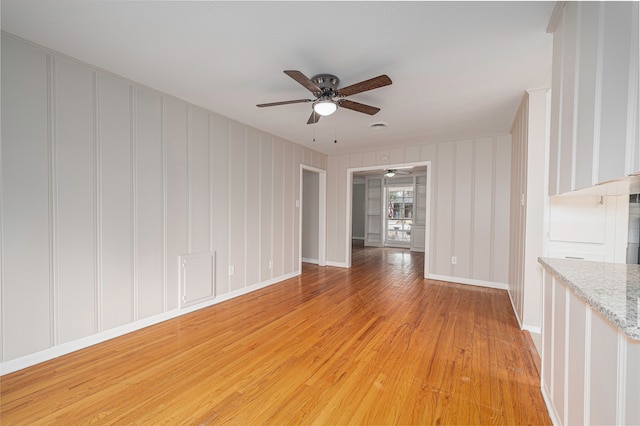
x: 594, y: 113
x: 373, y: 218
x: 420, y: 214
x: 417, y: 238
x: 413, y: 206
x: 590, y: 368
x: 588, y: 227
x: 420, y: 206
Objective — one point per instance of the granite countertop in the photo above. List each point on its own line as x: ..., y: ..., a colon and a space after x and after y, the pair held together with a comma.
x: 613, y: 289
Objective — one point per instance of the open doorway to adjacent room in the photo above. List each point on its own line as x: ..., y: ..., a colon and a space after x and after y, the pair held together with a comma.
x: 313, y: 190
x: 388, y: 206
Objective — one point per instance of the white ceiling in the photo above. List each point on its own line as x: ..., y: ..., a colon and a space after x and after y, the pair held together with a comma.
x: 459, y: 69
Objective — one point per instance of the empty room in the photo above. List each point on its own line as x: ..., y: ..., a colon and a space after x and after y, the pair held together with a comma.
x: 319, y: 212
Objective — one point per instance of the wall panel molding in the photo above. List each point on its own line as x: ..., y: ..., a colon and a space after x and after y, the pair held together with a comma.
x: 146, y: 178
x: 134, y: 202
x: 189, y: 186
x: 472, y: 212
x: 492, y: 233
x: 434, y: 218
x: 98, y: 202
x: 451, y: 219
x: 54, y: 332
x: 164, y: 205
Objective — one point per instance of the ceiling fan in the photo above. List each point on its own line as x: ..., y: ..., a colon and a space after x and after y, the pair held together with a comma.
x: 328, y: 96
x: 393, y: 172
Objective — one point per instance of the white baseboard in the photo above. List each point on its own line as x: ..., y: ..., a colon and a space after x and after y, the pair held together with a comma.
x: 469, y: 281
x: 533, y: 329
x: 551, y: 409
x: 307, y: 260
x: 338, y: 264
x: 515, y: 312
x: 65, y: 348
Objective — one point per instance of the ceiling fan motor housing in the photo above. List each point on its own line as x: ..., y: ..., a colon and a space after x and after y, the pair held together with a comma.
x: 327, y: 82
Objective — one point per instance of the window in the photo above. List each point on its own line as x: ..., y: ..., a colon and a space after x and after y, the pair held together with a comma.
x: 399, y: 215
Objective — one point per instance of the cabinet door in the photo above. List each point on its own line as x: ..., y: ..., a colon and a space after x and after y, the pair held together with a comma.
x: 576, y: 348
x: 373, y: 218
x: 563, y: 100
x: 617, y: 33
x: 594, y: 110
x: 420, y: 206
x: 417, y: 238
x: 633, y: 110
x: 556, y: 84
x: 566, y: 139
x: 632, y: 413
x: 603, y: 372
x: 586, y: 94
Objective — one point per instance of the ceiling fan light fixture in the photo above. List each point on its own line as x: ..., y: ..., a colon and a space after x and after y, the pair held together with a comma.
x: 325, y: 107
x: 390, y: 173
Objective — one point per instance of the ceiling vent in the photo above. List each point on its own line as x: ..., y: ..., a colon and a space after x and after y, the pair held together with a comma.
x: 379, y: 125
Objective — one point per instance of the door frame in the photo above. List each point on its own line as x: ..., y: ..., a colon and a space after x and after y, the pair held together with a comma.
x: 322, y: 214
x: 349, y: 207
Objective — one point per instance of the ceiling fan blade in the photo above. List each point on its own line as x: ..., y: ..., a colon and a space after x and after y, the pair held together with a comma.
x: 357, y: 106
x: 304, y: 80
x: 314, y: 118
x: 363, y: 86
x: 297, y: 101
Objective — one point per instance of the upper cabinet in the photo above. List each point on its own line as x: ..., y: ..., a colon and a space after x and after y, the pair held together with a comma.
x: 594, y: 110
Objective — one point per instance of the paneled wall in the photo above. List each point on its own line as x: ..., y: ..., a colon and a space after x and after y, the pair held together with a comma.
x: 470, y: 184
x: 105, y: 183
x: 528, y: 208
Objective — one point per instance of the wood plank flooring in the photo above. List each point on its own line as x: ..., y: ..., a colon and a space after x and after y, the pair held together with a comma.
x: 374, y: 344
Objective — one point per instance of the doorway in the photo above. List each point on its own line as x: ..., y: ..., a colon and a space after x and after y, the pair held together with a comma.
x: 407, y: 225
x: 312, y: 232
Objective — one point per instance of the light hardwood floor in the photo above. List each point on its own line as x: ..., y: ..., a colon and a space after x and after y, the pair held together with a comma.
x: 374, y: 344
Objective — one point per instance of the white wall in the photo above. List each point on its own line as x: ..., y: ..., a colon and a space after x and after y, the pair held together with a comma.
x: 528, y: 194
x: 105, y: 183
x: 310, y: 216
x: 470, y: 183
